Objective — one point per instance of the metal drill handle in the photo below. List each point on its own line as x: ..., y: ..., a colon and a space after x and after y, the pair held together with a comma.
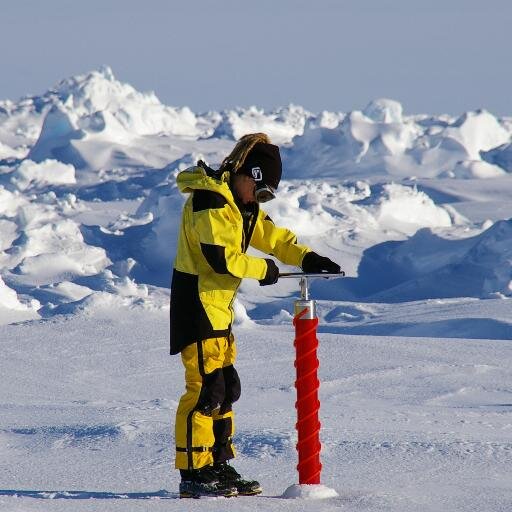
x: 325, y: 275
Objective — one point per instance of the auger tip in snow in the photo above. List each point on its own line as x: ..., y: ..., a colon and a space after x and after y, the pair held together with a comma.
x: 309, y: 492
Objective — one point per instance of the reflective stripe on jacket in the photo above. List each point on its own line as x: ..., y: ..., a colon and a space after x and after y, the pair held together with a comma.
x: 211, y: 257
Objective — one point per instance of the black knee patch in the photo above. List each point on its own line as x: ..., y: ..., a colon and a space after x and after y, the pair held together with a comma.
x: 213, y: 392
x: 232, y: 386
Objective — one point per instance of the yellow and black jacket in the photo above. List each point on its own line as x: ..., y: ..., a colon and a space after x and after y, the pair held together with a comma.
x: 211, y: 257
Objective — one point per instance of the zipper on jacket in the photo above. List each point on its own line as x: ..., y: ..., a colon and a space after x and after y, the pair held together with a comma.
x: 246, y: 238
x: 231, y: 306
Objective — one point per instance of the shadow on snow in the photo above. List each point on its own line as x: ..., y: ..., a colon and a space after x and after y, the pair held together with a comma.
x: 88, y: 495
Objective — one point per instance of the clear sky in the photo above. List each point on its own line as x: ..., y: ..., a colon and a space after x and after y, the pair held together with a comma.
x: 433, y: 56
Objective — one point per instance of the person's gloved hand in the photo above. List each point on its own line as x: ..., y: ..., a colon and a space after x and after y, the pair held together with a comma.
x: 272, y: 274
x: 314, y: 263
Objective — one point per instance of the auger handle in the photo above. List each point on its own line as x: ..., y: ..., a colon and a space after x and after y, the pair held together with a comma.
x: 325, y: 275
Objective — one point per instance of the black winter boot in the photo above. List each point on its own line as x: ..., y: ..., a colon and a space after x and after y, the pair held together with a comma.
x: 230, y: 477
x: 204, y: 482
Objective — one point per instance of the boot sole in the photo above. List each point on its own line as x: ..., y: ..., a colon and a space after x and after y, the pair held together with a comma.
x: 197, y: 496
x: 250, y: 493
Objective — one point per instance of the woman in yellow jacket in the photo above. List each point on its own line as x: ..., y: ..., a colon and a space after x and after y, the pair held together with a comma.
x: 221, y: 218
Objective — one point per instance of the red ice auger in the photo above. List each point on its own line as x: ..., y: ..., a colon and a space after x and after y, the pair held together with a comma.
x: 307, y: 384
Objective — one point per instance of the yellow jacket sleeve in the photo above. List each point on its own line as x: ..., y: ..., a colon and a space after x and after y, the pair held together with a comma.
x: 216, y: 231
x: 279, y: 242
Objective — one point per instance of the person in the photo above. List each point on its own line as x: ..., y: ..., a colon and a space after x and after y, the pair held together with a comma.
x: 221, y: 219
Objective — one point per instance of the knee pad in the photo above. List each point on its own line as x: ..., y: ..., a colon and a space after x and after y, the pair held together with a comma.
x: 232, y: 384
x: 213, y: 392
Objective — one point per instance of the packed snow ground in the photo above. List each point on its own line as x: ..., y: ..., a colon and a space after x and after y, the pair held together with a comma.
x: 408, y: 424
x: 415, y: 394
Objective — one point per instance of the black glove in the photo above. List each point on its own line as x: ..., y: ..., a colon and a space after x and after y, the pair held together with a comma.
x: 272, y: 274
x: 314, y: 263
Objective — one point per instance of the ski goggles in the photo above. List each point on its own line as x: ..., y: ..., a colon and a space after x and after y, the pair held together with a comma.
x: 264, y: 193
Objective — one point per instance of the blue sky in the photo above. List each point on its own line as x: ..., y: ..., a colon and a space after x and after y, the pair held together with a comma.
x: 434, y: 57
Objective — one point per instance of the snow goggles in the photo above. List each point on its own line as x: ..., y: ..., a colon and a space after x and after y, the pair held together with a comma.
x: 264, y: 193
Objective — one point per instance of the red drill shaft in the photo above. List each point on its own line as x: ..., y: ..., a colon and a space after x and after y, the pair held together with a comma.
x: 307, y: 405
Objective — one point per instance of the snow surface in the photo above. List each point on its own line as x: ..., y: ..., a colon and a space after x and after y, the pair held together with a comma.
x: 414, y: 350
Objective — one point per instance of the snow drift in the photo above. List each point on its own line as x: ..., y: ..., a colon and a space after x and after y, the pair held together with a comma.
x: 428, y: 266
x: 89, y: 204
